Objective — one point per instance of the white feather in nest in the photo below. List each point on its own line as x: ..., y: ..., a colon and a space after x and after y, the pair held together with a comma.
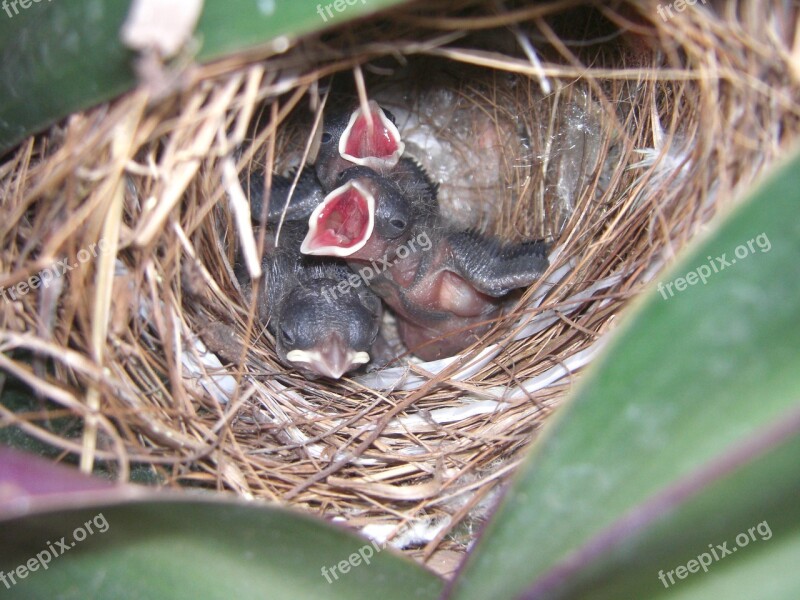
x: 416, y: 533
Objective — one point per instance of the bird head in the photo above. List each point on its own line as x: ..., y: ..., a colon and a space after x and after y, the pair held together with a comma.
x: 365, y: 218
x: 323, y: 331
x: 357, y: 138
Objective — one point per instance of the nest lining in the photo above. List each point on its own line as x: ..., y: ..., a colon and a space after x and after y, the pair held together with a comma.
x: 642, y: 137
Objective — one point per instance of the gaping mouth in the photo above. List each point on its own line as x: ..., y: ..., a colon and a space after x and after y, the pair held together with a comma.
x: 374, y: 144
x: 342, y: 223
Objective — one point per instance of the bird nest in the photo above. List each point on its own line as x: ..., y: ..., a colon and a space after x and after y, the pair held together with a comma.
x: 614, y: 132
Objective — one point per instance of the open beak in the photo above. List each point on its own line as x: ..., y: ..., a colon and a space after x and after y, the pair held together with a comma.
x: 372, y: 142
x: 342, y: 223
x: 332, y: 358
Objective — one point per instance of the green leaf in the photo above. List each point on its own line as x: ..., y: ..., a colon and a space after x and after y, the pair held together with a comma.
x: 684, y: 434
x: 194, y: 549
x: 68, y: 536
x: 752, y: 514
x: 60, y: 57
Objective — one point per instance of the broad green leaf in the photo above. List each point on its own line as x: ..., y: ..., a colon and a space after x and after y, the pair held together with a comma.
x: 744, y: 528
x: 649, y: 462
x: 71, y: 537
x: 63, y: 56
x: 194, y: 549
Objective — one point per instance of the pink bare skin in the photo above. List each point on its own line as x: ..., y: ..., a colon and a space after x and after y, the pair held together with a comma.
x: 439, y: 312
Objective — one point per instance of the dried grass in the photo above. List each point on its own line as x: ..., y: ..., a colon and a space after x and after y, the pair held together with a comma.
x: 644, y: 135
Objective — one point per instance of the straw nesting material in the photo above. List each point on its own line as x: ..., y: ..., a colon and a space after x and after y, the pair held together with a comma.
x: 615, y: 133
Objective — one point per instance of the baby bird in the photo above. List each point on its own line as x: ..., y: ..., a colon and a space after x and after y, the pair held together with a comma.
x: 348, y: 142
x: 343, y: 224
x: 317, y: 332
x: 349, y: 139
x: 308, y: 194
x: 445, y: 286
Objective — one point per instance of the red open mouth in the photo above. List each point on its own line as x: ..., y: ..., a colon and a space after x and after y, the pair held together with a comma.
x: 371, y: 140
x: 342, y: 223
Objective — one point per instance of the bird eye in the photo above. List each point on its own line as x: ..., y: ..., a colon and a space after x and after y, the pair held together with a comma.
x: 398, y: 224
x: 287, y: 336
x: 340, y: 176
x: 326, y: 138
